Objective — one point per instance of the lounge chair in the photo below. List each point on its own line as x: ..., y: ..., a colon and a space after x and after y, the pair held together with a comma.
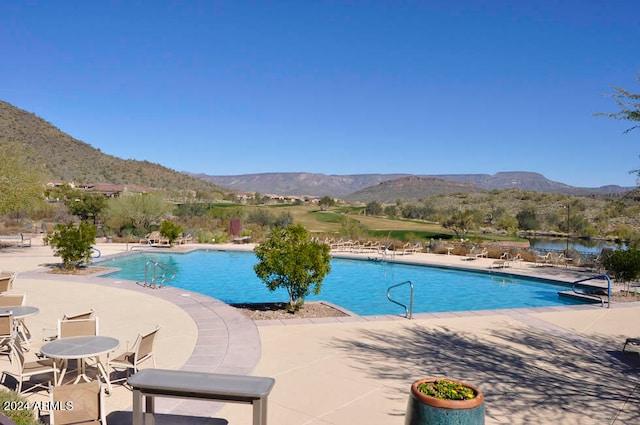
x: 474, y: 254
x: 544, y: 260
x: 502, y: 263
x: 27, y: 369
x: 412, y: 249
x: 87, y: 400
x: 141, y: 351
x: 356, y: 247
x: 559, y: 260
x: 371, y: 246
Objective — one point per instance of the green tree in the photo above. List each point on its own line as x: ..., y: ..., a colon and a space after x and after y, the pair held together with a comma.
x: 283, y: 220
x: 73, y: 243
x: 460, y: 222
x: 351, y: 228
x: 138, y: 210
x: 629, y: 110
x: 170, y: 230
x: 373, y: 208
x: 86, y: 206
x: 507, y: 222
x: 625, y: 265
x: 390, y: 211
x: 21, y: 187
x: 629, y: 107
x: 326, y: 202
x: 528, y: 219
x: 289, y: 259
x: 261, y: 217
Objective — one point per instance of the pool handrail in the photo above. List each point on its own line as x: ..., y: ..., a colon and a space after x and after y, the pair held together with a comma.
x: 408, y: 312
x: 602, y: 276
x: 163, y: 278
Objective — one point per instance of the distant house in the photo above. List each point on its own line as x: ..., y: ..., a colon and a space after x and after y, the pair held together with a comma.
x: 57, y: 183
x: 113, y: 190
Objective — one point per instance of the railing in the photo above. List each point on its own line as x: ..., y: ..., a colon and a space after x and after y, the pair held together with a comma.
x: 408, y: 312
x: 95, y: 252
x: 594, y: 296
x: 157, y: 280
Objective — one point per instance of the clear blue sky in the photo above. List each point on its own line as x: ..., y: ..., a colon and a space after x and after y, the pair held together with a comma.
x: 334, y: 87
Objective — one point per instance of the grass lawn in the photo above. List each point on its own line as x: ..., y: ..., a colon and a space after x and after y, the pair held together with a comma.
x: 317, y: 221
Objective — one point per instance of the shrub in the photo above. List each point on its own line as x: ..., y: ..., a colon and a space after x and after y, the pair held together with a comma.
x: 625, y: 265
x: 206, y: 236
x: 170, y: 230
x: 73, y: 244
x: 21, y: 415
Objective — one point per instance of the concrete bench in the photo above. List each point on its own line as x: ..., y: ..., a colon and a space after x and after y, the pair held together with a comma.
x: 152, y: 383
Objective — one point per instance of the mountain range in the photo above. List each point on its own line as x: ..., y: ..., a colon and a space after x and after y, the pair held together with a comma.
x: 64, y: 158
x: 389, y: 187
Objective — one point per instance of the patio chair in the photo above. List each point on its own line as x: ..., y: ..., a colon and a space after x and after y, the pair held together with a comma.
x: 89, y: 314
x: 87, y: 401
x: 12, y: 300
x: 141, y: 351
x: 416, y: 247
x: 6, y: 280
x: 4, y: 283
x: 7, y: 335
x: 77, y: 327
x: 27, y: 369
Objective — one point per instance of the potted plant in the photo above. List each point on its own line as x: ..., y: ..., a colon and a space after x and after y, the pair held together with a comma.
x: 445, y: 402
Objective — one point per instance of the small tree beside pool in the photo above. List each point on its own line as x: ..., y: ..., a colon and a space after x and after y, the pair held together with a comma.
x: 289, y: 259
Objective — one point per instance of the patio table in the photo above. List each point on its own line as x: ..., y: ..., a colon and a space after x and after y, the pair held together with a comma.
x: 19, y: 314
x: 81, y: 348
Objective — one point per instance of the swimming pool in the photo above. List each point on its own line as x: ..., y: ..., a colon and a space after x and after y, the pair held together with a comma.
x: 358, y: 286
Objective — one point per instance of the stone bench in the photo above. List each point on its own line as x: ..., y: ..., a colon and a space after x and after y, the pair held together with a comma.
x: 152, y: 383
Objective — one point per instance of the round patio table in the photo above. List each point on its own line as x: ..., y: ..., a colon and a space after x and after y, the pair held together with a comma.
x: 81, y: 348
x: 19, y: 313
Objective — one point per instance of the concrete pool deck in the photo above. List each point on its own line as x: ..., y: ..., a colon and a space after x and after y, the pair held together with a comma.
x: 545, y: 365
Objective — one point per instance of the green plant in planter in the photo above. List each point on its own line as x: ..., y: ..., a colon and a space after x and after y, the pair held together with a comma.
x: 445, y: 389
x: 444, y: 402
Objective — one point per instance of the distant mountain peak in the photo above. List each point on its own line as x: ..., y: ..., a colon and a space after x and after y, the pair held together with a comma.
x: 404, y: 186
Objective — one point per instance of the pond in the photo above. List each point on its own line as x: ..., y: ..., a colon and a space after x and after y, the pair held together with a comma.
x: 592, y: 246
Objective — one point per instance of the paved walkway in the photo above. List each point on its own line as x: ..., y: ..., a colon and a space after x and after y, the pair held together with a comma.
x: 553, y: 365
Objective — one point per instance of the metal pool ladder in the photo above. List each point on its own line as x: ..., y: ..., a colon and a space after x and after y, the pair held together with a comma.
x: 159, y: 275
x: 408, y: 312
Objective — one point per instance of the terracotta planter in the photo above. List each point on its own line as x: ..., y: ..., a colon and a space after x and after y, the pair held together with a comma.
x: 426, y: 410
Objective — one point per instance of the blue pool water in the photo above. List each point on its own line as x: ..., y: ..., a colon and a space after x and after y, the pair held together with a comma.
x: 358, y: 286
